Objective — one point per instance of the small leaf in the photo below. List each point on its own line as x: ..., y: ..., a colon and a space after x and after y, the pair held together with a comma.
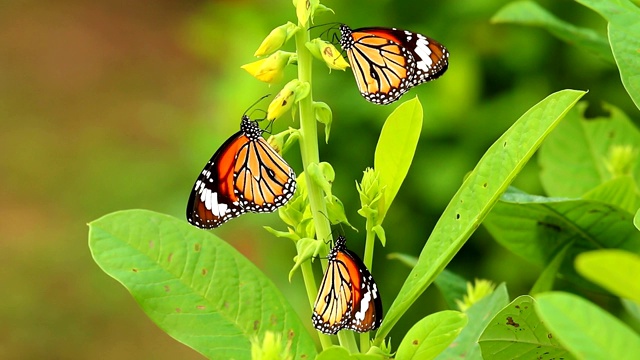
x: 408, y: 260
x: 532, y: 14
x: 624, y: 26
x: 335, y: 211
x: 580, y: 149
x: 516, y: 332
x: 431, y: 335
x: 323, y: 175
x: 282, y: 234
x: 396, y: 147
x: 614, y: 270
x: 452, y: 286
x: 379, y: 231
x: 584, y: 329
x: 547, y: 278
x: 465, y: 346
x: 194, y: 286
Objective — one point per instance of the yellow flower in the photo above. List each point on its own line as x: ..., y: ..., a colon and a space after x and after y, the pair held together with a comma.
x: 276, y: 38
x: 270, y: 69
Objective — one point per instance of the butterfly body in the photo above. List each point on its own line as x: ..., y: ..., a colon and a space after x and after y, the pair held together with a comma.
x: 348, y: 297
x: 387, y: 62
x: 245, y: 174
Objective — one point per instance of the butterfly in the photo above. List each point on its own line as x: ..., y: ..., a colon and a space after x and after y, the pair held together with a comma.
x: 387, y: 62
x: 348, y: 297
x: 245, y: 174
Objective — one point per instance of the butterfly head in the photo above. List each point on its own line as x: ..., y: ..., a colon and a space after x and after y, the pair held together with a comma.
x: 250, y: 128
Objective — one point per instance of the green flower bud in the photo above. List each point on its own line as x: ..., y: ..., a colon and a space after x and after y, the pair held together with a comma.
x: 276, y: 38
x: 271, y: 348
x: 371, y: 193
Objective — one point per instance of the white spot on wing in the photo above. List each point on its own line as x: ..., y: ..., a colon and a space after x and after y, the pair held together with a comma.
x: 424, y: 52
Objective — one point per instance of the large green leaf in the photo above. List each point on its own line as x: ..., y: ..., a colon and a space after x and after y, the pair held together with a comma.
x: 614, y: 270
x: 537, y: 228
x: 396, y: 147
x: 624, y: 26
x: 465, y: 346
x: 431, y: 335
x: 532, y: 14
x: 584, y: 329
x: 194, y: 286
x: 477, y: 195
x: 516, y: 332
x: 582, y: 154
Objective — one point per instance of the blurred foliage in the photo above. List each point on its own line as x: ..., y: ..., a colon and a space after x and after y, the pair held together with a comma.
x: 115, y: 105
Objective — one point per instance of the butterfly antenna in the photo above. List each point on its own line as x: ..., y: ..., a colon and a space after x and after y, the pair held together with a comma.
x: 256, y: 103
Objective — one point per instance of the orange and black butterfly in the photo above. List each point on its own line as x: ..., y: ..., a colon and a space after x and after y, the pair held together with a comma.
x: 348, y: 297
x: 245, y: 174
x: 387, y: 62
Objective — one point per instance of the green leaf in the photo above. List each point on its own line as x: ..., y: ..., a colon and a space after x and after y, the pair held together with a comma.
x: 465, y: 346
x: 408, y: 260
x: 452, y: 287
x: 396, y: 147
x: 584, y: 151
x: 621, y: 192
x: 584, y: 329
x: 636, y: 220
x: 532, y: 14
x: 632, y: 308
x: 547, y: 278
x: 323, y: 175
x: 536, y: 228
x: 516, y: 332
x: 614, y: 270
x: 335, y: 211
x: 624, y: 26
x: 194, y: 286
x: 431, y: 335
x: 477, y: 195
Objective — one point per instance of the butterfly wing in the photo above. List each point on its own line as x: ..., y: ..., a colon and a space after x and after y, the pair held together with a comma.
x: 264, y: 180
x: 367, y: 306
x: 388, y: 62
x: 214, y: 200
x: 333, y: 305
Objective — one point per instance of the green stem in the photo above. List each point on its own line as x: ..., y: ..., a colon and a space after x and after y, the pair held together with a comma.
x: 348, y: 341
x: 310, y: 155
x: 368, y: 262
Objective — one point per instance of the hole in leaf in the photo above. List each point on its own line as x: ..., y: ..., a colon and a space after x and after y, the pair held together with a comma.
x: 549, y: 335
x: 505, y: 144
x: 415, y: 342
x: 485, y: 185
x: 457, y: 216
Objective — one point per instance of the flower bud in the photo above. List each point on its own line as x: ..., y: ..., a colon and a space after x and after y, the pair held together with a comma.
x: 271, y: 69
x: 276, y: 38
x: 371, y: 193
x: 475, y: 293
x: 328, y: 53
x: 294, y: 91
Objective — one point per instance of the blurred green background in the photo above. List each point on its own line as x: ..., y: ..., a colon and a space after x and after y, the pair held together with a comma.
x: 114, y: 105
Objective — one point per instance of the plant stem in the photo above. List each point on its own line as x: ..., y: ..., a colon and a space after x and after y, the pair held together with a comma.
x: 310, y: 155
